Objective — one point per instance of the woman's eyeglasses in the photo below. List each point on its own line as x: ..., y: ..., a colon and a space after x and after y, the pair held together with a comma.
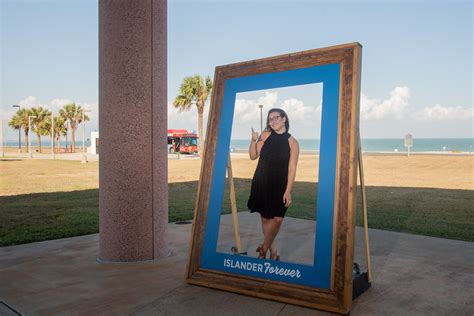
x: 275, y: 118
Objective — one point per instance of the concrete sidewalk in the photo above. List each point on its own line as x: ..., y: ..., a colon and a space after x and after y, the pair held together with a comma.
x: 412, y: 275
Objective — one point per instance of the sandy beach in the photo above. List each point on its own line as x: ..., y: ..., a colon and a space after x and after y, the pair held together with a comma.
x: 420, y: 171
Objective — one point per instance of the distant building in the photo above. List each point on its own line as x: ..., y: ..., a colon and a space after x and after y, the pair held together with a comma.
x: 94, y: 149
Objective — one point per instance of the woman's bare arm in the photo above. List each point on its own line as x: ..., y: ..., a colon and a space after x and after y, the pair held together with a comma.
x: 294, y: 154
x: 256, y: 145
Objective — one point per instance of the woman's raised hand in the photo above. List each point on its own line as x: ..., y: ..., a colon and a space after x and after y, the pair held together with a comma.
x: 254, y: 135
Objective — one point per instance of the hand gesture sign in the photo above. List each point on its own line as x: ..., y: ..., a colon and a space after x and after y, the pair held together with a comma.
x: 254, y: 135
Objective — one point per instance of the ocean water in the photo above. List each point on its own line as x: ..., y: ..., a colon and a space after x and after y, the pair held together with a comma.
x: 387, y: 145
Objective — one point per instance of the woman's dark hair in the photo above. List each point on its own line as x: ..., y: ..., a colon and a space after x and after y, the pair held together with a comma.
x: 282, y: 115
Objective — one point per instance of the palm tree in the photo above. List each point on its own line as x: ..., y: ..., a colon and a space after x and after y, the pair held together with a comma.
x: 73, y: 113
x: 38, y: 121
x: 20, y: 120
x: 46, y: 126
x: 15, y: 122
x: 194, y: 90
x: 59, y: 129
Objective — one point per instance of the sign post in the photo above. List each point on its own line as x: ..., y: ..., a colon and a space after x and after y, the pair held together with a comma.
x: 408, y: 142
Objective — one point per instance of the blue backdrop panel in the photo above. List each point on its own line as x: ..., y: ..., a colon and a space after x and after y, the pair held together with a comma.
x: 319, y: 274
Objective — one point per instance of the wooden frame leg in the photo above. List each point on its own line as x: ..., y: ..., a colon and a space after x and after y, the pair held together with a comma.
x: 233, y: 205
x: 364, y: 213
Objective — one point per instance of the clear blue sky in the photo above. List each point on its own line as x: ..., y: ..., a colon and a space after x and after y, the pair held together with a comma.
x: 417, y: 55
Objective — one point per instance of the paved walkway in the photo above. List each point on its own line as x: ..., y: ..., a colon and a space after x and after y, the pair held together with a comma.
x: 412, y: 275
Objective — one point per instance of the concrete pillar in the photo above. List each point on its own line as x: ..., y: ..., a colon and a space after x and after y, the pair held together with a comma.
x: 133, y: 166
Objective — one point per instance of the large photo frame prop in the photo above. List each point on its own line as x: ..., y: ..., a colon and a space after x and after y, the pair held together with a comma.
x: 327, y: 284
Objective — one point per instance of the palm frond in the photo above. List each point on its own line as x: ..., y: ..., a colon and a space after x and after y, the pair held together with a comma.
x: 208, y: 84
x: 182, y: 102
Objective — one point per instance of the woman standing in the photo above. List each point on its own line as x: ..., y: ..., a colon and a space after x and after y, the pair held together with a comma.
x: 270, y: 194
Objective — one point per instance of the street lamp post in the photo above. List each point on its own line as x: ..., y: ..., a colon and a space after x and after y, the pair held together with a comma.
x: 261, y: 118
x: 30, y: 154
x: 19, y: 129
x: 84, y: 155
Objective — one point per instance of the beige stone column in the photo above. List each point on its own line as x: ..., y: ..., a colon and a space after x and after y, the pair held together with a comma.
x: 133, y: 164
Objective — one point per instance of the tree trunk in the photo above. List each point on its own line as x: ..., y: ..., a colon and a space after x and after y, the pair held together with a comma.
x: 26, y: 140
x: 39, y: 141
x: 200, y: 133
x: 73, y: 136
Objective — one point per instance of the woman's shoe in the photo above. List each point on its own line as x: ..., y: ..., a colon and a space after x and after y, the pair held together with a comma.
x: 274, y: 255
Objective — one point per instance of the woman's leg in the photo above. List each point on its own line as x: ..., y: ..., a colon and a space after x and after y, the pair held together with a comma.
x: 271, y: 230
x: 265, y: 229
x: 265, y: 225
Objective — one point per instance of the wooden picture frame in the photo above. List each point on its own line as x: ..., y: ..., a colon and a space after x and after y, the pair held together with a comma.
x: 328, y: 284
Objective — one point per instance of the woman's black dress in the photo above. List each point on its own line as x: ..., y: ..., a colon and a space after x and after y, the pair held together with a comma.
x: 271, y: 177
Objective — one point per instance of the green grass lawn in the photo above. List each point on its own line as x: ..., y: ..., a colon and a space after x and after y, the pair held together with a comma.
x: 432, y: 212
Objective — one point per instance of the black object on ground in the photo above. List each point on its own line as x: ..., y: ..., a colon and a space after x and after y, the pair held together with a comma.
x: 235, y: 252
x: 360, y: 284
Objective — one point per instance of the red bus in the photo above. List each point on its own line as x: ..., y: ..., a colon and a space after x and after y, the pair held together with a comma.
x: 182, y: 141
